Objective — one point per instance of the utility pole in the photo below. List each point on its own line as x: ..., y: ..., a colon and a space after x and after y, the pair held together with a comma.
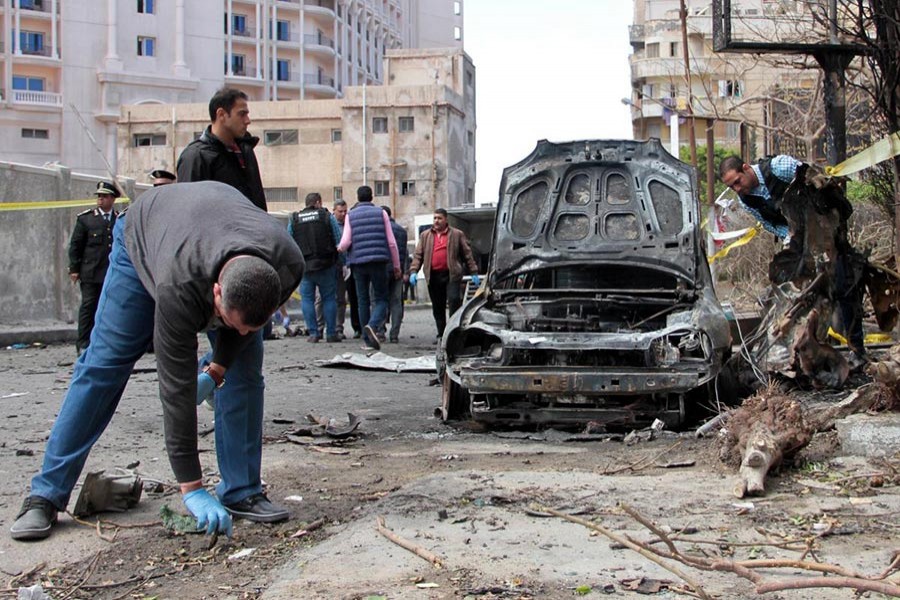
x: 690, y: 91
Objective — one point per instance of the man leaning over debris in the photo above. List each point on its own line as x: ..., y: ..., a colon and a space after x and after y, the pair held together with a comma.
x: 186, y: 258
x: 761, y: 188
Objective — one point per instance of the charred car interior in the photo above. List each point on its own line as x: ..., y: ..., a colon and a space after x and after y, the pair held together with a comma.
x: 599, y: 305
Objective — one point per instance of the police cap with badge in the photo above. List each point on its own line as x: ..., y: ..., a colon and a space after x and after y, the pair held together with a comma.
x: 108, y: 188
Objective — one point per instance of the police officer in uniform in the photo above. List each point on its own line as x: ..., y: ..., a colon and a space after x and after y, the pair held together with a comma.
x: 161, y: 177
x: 317, y: 233
x: 89, y: 256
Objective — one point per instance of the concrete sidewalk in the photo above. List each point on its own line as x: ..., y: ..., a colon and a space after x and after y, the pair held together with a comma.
x: 40, y: 332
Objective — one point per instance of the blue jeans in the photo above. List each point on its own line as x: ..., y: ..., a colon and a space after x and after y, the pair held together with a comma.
x: 374, y: 274
x: 325, y: 280
x: 121, y: 334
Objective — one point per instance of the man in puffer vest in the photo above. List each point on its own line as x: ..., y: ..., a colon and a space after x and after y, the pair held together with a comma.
x: 370, y: 240
x: 317, y: 233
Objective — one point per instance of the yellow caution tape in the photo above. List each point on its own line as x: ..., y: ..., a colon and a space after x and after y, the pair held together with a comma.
x: 744, y: 239
x: 295, y: 295
x: 870, y: 338
x: 884, y: 149
x: 8, y: 206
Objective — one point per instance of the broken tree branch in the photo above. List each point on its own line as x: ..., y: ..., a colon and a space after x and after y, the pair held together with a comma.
x: 434, y: 559
x: 630, y: 544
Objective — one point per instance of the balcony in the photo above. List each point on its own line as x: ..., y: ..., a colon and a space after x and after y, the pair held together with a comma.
x: 29, y: 98
x: 244, y: 76
x: 636, y: 35
x: 318, y: 79
x: 320, y: 7
x: 288, y: 38
x: 42, y: 6
x: 671, y: 66
x: 319, y: 42
x: 288, y: 80
x: 249, y: 32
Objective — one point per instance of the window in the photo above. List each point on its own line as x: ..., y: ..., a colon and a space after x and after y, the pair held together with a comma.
x: 470, y: 138
x: 146, y: 6
x: 31, y: 42
x: 470, y: 78
x: 281, y: 137
x: 406, y: 124
x: 673, y: 48
x: 35, y: 134
x: 31, y: 4
x: 335, y: 135
x: 732, y: 130
x: 457, y: 33
x: 729, y: 88
x: 379, y: 124
x: 653, y: 50
x: 281, y: 194
x: 239, y: 24
x: 146, y: 46
x: 382, y: 188
x: 407, y: 188
x: 237, y: 64
x: 284, y: 70
x: 338, y: 193
x: 457, y: 7
x: 283, y: 31
x: 149, y: 139
x: 31, y: 84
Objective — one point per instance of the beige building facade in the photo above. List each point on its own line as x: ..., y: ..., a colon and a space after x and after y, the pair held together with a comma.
x: 734, y: 89
x: 412, y: 139
x: 68, y: 66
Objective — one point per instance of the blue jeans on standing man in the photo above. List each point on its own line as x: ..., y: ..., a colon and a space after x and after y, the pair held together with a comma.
x: 374, y: 274
x: 325, y: 280
x: 121, y: 334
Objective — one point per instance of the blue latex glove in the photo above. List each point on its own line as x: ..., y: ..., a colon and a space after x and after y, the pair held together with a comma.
x: 285, y: 322
x: 476, y: 280
x: 412, y: 279
x: 205, y: 387
x: 209, y: 512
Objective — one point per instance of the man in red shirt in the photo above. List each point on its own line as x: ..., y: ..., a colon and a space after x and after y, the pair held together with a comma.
x: 443, y: 252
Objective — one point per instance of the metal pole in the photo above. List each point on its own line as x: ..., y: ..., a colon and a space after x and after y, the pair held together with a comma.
x: 692, y: 134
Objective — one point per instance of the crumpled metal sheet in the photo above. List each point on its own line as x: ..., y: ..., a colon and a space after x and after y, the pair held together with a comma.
x: 379, y: 361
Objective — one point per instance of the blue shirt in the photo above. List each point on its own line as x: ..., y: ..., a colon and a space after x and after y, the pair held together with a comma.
x: 783, y: 167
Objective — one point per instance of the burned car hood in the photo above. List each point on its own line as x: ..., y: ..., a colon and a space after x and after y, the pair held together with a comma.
x: 621, y: 201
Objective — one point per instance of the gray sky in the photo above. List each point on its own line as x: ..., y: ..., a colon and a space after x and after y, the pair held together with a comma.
x: 545, y: 70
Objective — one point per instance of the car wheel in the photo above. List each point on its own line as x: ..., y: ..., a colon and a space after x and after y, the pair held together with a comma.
x: 454, y: 400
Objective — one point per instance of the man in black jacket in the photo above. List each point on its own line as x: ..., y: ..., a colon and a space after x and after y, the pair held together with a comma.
x: 225, y: 151
x: 89, y: 250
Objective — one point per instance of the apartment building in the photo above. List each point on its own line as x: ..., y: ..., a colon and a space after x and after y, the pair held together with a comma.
x: 69, y: 65
x: 411, y: 139
x: 734, y: 89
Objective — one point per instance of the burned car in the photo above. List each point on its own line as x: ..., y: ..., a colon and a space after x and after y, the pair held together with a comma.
x: 598, y: 305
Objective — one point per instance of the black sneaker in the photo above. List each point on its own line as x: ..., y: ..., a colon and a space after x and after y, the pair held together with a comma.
x: 35, y: 519
x: 372, y: 338
x: 258, y: 508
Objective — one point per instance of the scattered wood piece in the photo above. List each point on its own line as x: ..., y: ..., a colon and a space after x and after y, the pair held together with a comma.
x: 630, y: 544
x: 329, y: 450
x: 713, y: 424
x: 434, y: 559
x: 14, y: 582
x: 643, y: 463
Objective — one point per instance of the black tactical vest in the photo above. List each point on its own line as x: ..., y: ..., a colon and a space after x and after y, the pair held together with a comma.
x: 312, y: 232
